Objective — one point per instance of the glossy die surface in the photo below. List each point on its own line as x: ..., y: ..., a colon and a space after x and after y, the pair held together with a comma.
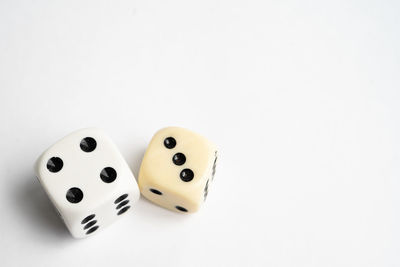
x: 87, y: 180
x: 177, y: 169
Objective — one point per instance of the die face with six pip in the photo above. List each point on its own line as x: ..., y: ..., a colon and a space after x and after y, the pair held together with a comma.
x: 177, y: 169
x: 87, y: 180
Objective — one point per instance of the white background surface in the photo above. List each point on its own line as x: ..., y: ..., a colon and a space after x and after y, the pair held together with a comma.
x: 302, y: 98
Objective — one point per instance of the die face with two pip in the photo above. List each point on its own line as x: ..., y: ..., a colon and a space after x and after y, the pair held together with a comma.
x: 87, y: 180
x: 177, y: 169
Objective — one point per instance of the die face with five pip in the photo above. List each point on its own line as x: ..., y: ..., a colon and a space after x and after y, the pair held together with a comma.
x: 87, y: 180
x: 177, y: 169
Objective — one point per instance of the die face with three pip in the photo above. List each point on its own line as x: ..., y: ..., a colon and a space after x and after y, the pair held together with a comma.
x: 87, y: 180
x: 177, y: 169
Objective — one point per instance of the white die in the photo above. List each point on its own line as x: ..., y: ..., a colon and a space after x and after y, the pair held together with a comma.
x: 87, y: 180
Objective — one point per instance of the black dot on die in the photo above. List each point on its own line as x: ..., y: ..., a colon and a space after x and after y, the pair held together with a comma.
x: 181, y: 208
x: 119, y: 199
x: 179, y: 159
x: 91, y: 230
x: 55, y: 164
x: 74, y: 195
x: 88, y: 218
x: 88, y: 144
x: 123, y: 203
x: 89, y: 224
x: 155, y: 191
x: 123, y: 210
x: 108, y: 175
x: 186, y: 175
x: 169, y: 142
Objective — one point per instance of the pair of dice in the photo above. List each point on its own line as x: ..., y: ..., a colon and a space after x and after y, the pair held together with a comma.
x: 91, y: 185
